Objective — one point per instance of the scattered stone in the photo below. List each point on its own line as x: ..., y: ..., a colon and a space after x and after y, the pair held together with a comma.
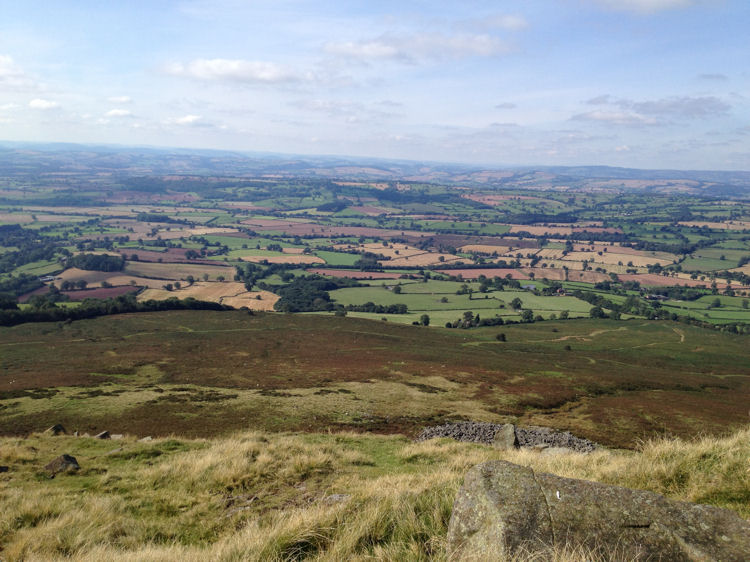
x: 63, y: 463
x: 4, y: 469
x: 530, y: 436
x: 116, y: 436
x: 102, y: 435
x: 113, y: 451
x: 504, y: 509
x: 56, y: 429
x: 505, y: 437
x: 75, y: 433
x: 145, y: 439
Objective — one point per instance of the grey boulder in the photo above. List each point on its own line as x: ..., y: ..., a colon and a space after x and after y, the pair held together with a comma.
x: 504, y: 509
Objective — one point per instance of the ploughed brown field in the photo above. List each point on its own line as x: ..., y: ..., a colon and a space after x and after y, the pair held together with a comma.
x: 201, y: 373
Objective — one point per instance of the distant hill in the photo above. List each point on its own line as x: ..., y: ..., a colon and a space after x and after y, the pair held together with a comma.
x: 30, y: 159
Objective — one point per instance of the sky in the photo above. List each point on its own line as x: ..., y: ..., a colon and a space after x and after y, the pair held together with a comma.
x: 634, y: 83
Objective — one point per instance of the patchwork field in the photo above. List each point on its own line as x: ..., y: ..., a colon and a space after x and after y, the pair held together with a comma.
x: 177, y: 271
x: 229, y: 293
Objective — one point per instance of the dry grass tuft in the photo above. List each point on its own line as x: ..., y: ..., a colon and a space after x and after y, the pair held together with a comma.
x: 329, y: 497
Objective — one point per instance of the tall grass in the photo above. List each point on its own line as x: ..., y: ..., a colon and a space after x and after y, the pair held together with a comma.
x: 286, y: 497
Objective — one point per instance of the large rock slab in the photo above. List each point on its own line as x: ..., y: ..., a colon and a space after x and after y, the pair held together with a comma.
x: 503, y: 509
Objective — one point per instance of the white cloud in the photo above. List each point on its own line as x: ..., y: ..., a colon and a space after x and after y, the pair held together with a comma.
x: 615, y: 117
x: 120, y: 99
x: 12, y: 77
x: 621, y: 111
x: 43, y: 104
x: 187, y: 120
x: 233, y: 70
x: 506, y: 105
x: 421, y: 46
x: 118, y: 113
x: 646, y: 6
x: 9, y: 107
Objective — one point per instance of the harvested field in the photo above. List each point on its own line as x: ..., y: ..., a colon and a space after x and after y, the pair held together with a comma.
x: 254, y: 300
x: 95, y: 278
x: 488, y: 272
x: 423, y: 260
x: 15, y: 218
x: 551, y: 254
x: 354, y: 274
x: 177, y: 271
x: 654, y: 280
x: 638, y: 260
x: 554, y: 274
x: 283, y: 259
x: 188, y: 232
x: 229, y: 293
x: 482, y: 249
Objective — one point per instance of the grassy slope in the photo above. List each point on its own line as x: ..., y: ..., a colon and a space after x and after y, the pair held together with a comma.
x: 204, y: 373
x: 257, y: 496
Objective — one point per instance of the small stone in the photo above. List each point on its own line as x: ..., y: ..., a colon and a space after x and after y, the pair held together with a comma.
x: 145, y: 439
x: 102, y: 435
x: 113, y: 451
x: 56, y: 429
x: 63, y: 463
x: 116, y: 436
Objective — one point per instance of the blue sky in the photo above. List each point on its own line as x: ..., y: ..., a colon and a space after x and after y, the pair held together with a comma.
x: 637, y: 83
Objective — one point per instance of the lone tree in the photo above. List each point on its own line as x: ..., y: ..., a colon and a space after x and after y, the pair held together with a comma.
x: 424, y: 320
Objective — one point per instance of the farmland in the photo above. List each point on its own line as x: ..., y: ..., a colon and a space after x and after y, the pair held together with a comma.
x: 616, y: 310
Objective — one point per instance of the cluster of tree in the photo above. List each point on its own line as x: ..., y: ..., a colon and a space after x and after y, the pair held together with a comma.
x: 369, y: 262
x: 30, y: 246
x: 20, y: 285
x: 309, y: 293
x: 332, y: 207
x: 157, y: 217
x: 91, y: 308
x: 97, y: 262
x: 378, y: 308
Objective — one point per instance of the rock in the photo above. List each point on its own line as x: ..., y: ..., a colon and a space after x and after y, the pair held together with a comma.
x: 531, y: 436
x: 503, y: 509
x: 505, y: 437
x: 116, y: 436
x: 102, y: 435
x: 4, y: 469
x: 56, y: 429
x: 63, y: 463
x: 145, y: 439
